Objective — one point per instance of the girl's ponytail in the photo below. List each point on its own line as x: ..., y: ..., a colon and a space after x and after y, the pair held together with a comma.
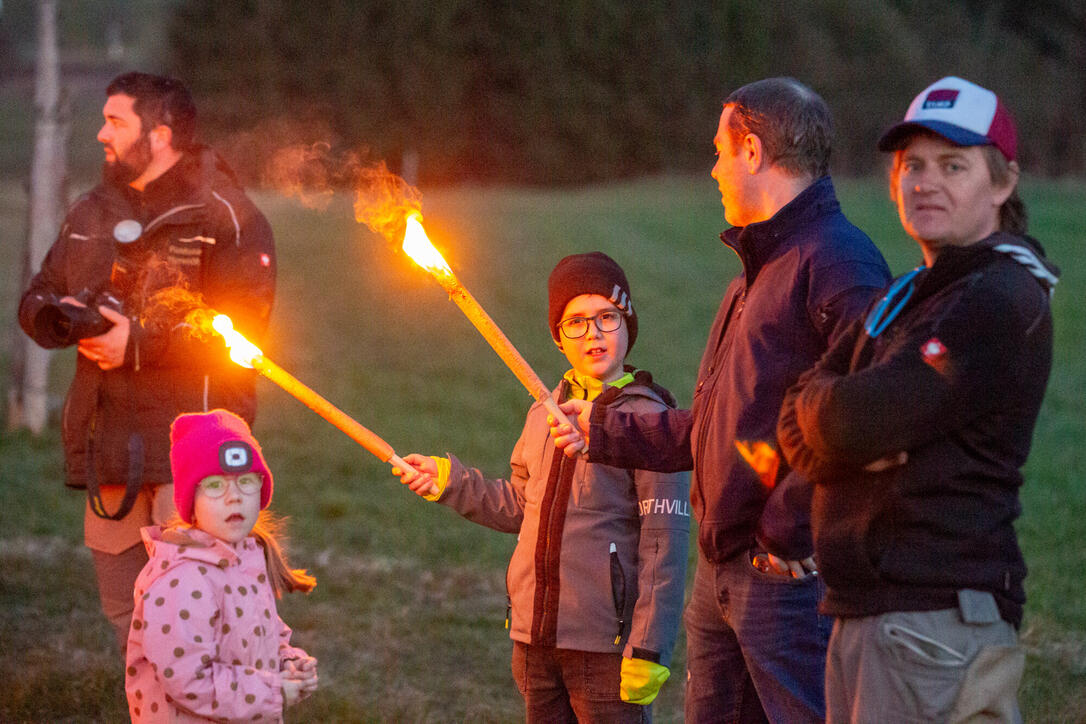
x: 284, y: 579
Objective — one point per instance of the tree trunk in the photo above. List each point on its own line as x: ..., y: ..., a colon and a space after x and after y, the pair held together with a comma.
x: 28, y: 400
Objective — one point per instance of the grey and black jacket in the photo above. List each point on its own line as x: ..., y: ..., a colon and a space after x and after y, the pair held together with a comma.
x: 600, y: 560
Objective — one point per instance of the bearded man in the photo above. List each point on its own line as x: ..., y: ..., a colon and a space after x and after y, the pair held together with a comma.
x: 168, y: 219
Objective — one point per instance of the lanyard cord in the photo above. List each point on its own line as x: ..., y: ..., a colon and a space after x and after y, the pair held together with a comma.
x: 879, y: 318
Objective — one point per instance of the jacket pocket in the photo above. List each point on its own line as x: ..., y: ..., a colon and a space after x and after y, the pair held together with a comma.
x: 618, y: 591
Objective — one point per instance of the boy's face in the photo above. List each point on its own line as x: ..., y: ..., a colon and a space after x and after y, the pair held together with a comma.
x: 595, y: 354
x: 232, y: 514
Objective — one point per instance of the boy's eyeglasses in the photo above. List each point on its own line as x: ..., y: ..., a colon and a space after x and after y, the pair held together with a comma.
x: 214, y: 486
x: 576, y: 327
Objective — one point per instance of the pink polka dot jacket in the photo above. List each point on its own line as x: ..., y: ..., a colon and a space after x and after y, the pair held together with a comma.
x: 206, y: 642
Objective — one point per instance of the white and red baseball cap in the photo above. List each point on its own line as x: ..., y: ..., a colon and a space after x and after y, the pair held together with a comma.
x: 961, y: 112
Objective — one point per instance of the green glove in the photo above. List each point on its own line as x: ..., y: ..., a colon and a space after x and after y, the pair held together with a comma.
x: 641, y: 680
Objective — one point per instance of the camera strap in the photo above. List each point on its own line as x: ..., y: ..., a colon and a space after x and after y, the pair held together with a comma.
x: 132, y: 485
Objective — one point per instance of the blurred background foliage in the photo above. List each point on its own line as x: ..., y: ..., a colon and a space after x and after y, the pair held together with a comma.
x: 566, y: 91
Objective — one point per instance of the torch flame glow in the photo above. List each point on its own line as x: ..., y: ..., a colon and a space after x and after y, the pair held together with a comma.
x: 417, y: 246
x: 242, y: 351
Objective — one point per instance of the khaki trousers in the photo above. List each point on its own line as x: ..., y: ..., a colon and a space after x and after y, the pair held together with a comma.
x: 923, y: 666
x: 118, y: 550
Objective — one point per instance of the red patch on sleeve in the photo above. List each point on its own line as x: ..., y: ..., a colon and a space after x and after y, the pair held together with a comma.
x: 934, y: 352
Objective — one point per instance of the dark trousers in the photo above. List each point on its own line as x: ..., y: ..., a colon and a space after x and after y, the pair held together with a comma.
x: 561, y: 685
x: 755, y: 645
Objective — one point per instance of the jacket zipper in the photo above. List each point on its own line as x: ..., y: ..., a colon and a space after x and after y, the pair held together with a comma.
x: 715, y: 368
x: 618, y: 590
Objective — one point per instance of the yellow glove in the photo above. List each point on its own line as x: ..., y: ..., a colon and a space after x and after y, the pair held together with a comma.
x: 441, y: 480
x: 641, y: 680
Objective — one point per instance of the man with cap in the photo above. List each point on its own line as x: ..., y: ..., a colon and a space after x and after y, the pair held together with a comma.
x: 756, y: 645
x: 168, y: 221
x: 915, y: 425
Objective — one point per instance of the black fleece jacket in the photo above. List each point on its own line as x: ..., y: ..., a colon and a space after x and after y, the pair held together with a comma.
x: 955, y: 381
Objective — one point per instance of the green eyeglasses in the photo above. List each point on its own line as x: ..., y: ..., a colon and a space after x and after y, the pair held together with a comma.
x: 214, y: 486
x: 576, y: 327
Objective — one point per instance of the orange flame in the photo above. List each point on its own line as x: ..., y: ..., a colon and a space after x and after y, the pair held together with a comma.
x: 242, y: 351
x: 417, y: 246
x: 763, y: 459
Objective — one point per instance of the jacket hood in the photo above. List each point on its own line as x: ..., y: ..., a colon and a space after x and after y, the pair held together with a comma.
x: 1028, y: 252
x: 175, y: 544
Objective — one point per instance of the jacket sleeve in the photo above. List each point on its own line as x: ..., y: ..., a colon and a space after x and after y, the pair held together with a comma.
x: 286, y: 651
x: 784, y: 528
x: 240, y: 275
x: 657, y: 441
x: 664, y: 517
x: 943, y: 372
x: 47, y: 286
x: 495, y: 503
x: 181, y: 642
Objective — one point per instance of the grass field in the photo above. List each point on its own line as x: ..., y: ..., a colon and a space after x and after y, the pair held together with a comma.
x: 407, y: 616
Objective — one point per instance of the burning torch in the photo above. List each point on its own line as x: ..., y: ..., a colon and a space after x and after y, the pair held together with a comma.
x: 247, y: 354
x: 417, y: 246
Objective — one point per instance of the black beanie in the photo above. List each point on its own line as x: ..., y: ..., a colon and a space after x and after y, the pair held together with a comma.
x: 592, y: 273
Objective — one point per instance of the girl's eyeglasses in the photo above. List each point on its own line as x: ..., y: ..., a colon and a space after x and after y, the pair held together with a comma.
x: 214, y: 486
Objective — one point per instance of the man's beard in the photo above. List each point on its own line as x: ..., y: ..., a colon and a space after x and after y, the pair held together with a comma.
x: 124, y: 170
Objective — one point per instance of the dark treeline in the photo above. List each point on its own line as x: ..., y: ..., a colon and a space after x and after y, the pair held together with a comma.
x: 544, y: 91
x: 564, y: 91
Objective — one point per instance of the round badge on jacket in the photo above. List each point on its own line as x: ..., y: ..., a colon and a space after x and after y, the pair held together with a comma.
x: 127, y: 231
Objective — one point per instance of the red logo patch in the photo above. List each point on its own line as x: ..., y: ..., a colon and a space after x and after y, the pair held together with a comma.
x: 265, y: 260
x: 934, y: 353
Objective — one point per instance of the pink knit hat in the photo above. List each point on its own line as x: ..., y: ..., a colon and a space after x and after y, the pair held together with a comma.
x: 212, y: 443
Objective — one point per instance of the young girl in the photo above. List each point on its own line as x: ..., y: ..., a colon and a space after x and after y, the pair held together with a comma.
x: 596, y: 580
x: 206, y: 641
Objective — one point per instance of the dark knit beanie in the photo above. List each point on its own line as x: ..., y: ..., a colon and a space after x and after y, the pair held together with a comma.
x: 592, y: 273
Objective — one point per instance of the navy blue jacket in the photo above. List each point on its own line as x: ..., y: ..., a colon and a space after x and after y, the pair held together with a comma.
x: 955, y: 381
x: 807, y: 273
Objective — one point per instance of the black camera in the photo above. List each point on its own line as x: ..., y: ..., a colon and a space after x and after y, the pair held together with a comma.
x: 65, y: 323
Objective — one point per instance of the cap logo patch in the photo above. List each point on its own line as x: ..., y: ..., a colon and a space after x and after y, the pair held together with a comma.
x: 941, y: 98
x: 235, y: 456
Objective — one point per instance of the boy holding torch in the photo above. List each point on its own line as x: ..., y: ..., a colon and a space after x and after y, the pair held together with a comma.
x: 596, y: 581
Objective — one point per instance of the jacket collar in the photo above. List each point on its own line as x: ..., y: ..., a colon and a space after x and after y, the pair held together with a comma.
x: 181, y: 542
x: 957, y: 261
x: 757, y: 243
x: 180, y: 188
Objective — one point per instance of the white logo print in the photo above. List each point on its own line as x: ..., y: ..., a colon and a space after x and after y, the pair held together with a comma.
x: 236, y: 456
